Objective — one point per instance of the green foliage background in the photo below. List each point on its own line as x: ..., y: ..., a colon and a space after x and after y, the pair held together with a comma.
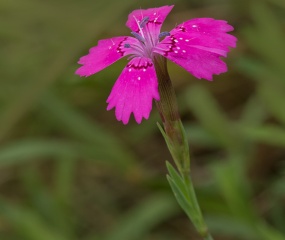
x: 69, y: 170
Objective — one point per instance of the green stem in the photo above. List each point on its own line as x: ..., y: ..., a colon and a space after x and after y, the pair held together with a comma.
x: 168, y: 110
x: 177, y: 142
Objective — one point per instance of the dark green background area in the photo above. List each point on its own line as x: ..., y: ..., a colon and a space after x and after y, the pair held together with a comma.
x: 70, y: 171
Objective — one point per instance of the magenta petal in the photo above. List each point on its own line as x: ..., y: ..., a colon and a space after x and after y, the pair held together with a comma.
x: 197, y: 46
x: 134, y: 90
x: 202, y: 63
x: 104, y: 54
x: 209, y: 28
x: 156, y: 16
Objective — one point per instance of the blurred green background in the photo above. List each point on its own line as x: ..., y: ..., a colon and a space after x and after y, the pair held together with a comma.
x: 69, y: 170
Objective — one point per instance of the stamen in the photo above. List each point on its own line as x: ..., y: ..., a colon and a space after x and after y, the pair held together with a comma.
x: 140, y: 29
x: 163, y: 34
x: 127, y: 45
x: 144, y: 21
x: 138, y: 36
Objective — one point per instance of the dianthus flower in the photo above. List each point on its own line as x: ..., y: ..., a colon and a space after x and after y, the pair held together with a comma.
x: 195, y: 45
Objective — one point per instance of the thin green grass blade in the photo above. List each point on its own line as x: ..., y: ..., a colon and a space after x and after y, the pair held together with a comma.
x: 269, y: 134
x: 197, y: 135
x: 73, y: 123
x: 65, y: 167
x: 267, y: 30
x: 233, y: 187
x: 233, y: 227
x: 39, y: 149
x: 254, y: 113
x: 211, y: 116
x: 139, y: 221
x: 273, y: 96
x: 28, y: 224
x: 44, y: 203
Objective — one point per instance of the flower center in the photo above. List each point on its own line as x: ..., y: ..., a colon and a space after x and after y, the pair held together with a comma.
x: 147, y: 37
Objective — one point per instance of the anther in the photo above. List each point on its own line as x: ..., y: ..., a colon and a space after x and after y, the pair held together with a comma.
x: 144, y: 21
x: 138, y: 36
x: 127, y: 45
x: 163, y: 34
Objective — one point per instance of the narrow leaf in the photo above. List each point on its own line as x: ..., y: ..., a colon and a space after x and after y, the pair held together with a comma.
x: 177, y: 180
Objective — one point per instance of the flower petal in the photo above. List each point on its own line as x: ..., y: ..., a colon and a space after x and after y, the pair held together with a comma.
x: 104, y: 54
x: 208, y: 27
x: 197, y: 46
x: 156, y: 17
x: 134, y: 90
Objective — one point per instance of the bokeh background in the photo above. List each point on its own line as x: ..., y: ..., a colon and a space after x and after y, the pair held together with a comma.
x: 69, y: 170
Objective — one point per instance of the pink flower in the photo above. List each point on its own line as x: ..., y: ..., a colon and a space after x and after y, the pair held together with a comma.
x: 196, y: 45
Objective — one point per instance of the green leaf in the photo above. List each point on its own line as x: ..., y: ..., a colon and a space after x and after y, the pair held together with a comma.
x: 180, y: 197
x: 177, y: 180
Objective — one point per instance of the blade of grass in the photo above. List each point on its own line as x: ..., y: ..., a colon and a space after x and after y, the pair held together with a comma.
x: 44, y: 202
x: 273, y: 96
x: 233, y: 187
x: 211, y: 116
x: 28, y: 224
x: 267, y: 30
x: 269, y: 134
x: 26, y: 150
x: 73, y: 123
x: 139, y: 221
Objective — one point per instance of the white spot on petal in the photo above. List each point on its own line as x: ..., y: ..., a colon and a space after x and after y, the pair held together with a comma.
x: 178, y: 48
x: 144, y: 69
x: 176, y: 51
x: 183, y: 51
x: 181, y: 38
x: 175, y: 40
x: 139, y: 78
x: 130, y: 70
x: 187, y: 40
x: 154, y: 13
x: 194, y: 26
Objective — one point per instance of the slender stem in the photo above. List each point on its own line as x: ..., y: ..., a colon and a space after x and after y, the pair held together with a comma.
x: 177, y: 142
x: 168, y: 110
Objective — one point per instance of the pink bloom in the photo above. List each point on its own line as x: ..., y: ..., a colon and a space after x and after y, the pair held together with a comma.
x: 196, y: 45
